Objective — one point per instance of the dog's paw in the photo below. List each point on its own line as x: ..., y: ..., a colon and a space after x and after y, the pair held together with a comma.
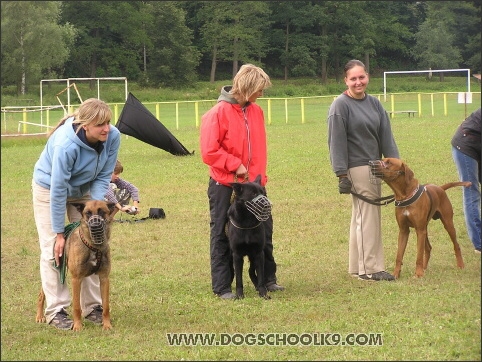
x: 239, y: 296
x: 40, y: 318
x: 266, y: 296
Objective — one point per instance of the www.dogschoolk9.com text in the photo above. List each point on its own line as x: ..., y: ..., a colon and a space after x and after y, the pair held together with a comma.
x: 274, y: 339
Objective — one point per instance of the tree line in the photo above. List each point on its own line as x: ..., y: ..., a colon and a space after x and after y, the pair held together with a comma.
x: 176, y: 43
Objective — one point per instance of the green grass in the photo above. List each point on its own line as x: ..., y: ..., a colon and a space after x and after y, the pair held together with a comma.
x: 160, y: 280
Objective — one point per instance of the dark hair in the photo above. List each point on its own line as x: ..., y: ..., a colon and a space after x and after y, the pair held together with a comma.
x: 353, y: 63
x: 118, y: 167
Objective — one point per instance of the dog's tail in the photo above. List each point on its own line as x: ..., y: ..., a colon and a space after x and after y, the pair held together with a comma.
x: 453, y: 184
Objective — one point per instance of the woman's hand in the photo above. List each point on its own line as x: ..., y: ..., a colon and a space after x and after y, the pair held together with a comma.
x: 59, y: 248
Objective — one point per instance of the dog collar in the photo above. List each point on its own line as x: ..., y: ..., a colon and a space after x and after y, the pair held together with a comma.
x: 239, y: 227
x: 416, y: 194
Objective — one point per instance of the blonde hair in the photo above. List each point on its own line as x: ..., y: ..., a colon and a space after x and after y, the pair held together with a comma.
x: 92, y: 110
x: 249, y: 80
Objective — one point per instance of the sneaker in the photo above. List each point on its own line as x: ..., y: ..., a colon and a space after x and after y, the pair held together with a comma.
x: 227, y: 295
x: 477, y: 251
x: 274, y: 287
x: 62, y: 321
x: 382, y: 275
x: 96, y: 315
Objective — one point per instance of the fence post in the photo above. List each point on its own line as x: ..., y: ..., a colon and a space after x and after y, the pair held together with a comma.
x: 24, y: 117
x: 286, y: 110
x: 445, y: 104
x: 157, y: 111
x: 392, y: 104
x: 116, y: 112
x: 431, y: 101
x: 419, y: 105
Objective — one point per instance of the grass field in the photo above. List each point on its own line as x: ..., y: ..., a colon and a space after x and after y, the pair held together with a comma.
x: 160, y: 280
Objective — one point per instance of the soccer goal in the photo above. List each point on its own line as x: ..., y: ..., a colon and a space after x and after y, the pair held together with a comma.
x: 430, y: 72
x: 71, y: 83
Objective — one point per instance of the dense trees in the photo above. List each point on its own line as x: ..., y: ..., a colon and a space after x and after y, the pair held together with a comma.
x: 173, y: 43
x: 34, y: 43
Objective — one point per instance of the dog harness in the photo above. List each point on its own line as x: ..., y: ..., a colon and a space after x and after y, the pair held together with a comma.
x: 98, y: 253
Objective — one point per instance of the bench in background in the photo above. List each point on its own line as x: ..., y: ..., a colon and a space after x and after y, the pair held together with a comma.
x: 410, y: 113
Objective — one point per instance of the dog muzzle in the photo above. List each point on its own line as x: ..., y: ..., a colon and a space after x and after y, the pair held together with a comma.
x: 260, y: 207
x: 379, y: 172
x: 376, y: 175
x: 98, y: 229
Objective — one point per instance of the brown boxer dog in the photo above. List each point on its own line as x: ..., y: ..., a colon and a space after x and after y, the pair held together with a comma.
x: 415, y: 205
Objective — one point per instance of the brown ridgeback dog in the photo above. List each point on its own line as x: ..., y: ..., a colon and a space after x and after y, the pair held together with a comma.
x: 415, y: 205
x: 87, y: 252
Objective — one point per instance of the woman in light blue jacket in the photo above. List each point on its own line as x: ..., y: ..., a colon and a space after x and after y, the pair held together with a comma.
x: 75, y: 165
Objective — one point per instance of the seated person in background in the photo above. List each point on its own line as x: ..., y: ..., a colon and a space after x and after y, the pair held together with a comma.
x: 121, y: 191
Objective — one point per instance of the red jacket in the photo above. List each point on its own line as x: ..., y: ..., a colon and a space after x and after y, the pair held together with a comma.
x: 231, y: 136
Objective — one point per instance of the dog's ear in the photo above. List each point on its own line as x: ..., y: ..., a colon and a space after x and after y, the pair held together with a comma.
x: 408, y: 173
x: 111, y: 206
x: 258, y: 179
x: 237, y: 187
x: 79, y: 206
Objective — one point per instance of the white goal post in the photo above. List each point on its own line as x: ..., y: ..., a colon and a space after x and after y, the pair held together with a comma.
x: 423, y: 71
x: 70, y: 82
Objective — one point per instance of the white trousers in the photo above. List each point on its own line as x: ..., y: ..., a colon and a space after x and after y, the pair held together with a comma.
x: 57, y: 295
x: 365, y: 246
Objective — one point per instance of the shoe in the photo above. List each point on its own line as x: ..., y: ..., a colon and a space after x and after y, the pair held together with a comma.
x: 96, y: 315
x: 477, y: 251
x: 227, y: 295
x: 382, y: 275
x: 62, y: 321
x: 274, y: 287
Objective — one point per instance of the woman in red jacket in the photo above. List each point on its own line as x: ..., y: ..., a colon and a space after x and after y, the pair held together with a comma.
x: 233, y: 145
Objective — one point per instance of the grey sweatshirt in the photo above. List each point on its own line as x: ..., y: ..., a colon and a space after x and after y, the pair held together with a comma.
x: 359, y: 130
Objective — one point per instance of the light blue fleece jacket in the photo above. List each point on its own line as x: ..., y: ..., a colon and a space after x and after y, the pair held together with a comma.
x: 70, y: 168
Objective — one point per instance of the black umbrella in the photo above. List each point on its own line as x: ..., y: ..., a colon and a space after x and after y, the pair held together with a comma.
x: 135, y: 120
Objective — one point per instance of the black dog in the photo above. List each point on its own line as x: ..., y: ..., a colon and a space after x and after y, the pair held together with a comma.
x: 245, y: 229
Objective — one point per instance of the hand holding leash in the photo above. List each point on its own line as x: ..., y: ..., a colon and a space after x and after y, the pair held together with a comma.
x: 344, y: 185
x: 241, y: 174
x: 59, y: 247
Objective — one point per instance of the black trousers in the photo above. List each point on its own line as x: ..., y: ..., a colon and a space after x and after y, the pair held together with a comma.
x: 222, y: 270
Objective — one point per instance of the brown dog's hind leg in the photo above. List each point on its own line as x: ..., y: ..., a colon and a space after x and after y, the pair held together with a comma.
x: 449, y: 226
x: 40, y: 317
x: 426, y: 255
